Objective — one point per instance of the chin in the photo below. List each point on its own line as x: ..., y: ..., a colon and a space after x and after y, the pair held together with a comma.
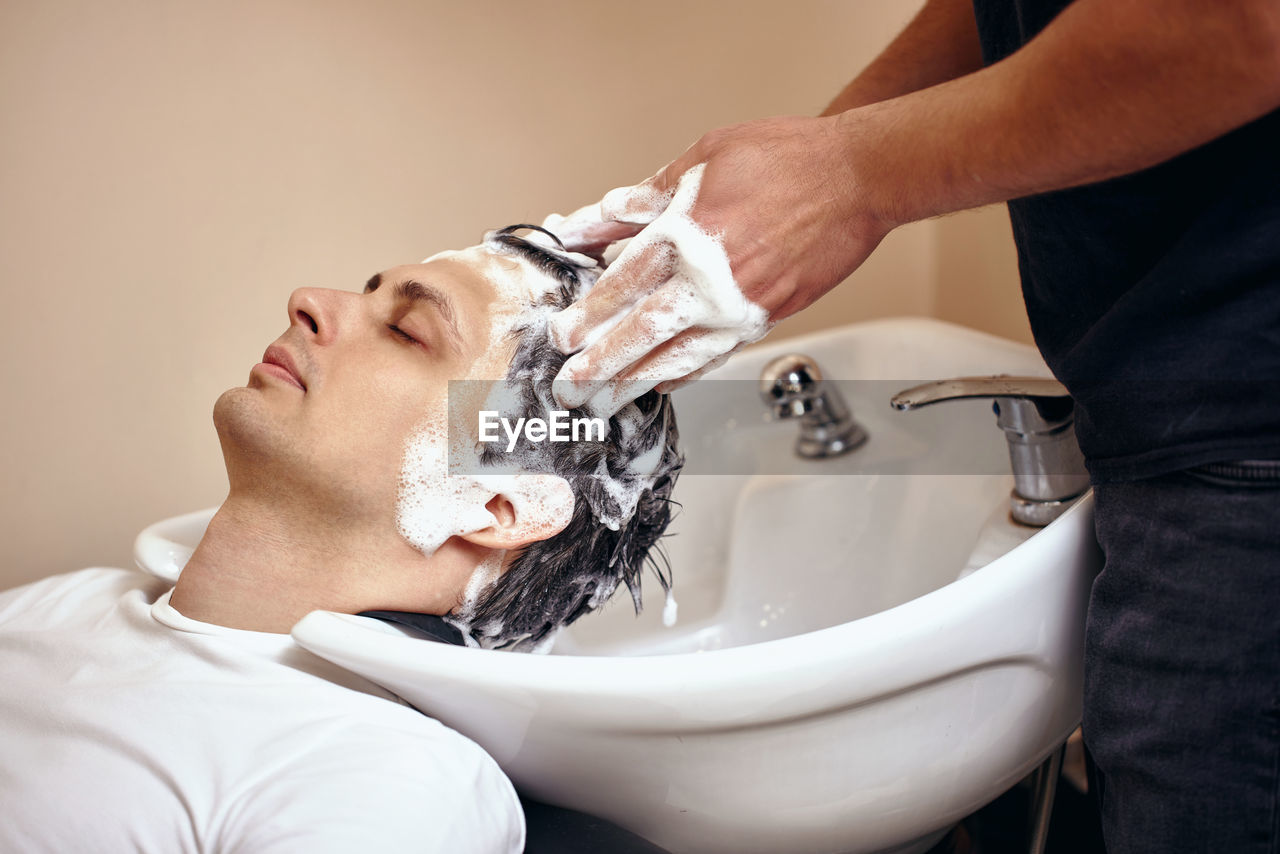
x: 234, y: 412
x: 269, y: 453
x: 246, y: 428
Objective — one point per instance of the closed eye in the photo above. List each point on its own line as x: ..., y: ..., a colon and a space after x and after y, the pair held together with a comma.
x: 400, y: 333
x: 411, y: 292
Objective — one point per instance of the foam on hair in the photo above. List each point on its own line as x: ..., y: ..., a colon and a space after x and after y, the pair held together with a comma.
x: 621, y: 486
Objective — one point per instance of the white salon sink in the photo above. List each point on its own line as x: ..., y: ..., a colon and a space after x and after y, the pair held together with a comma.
x: 867, y: 649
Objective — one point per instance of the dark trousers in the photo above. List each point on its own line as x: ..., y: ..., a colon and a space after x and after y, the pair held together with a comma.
x: 1182, y: 662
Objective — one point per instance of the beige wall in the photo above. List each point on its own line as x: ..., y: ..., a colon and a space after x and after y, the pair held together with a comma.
x: 170, y: 171
x: 976, y: 273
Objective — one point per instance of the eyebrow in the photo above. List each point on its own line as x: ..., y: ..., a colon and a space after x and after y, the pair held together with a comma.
x: 411, y: 290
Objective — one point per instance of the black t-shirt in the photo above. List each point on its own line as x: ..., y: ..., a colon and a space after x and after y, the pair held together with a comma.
x: 1155, y: 297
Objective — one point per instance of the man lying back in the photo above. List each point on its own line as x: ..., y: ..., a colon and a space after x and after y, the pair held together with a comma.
x: 135, y: 717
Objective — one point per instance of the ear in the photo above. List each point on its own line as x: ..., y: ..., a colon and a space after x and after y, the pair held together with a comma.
x: 525, y: 509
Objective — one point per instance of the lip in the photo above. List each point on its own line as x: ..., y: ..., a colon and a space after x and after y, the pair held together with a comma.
x: 277, y: 361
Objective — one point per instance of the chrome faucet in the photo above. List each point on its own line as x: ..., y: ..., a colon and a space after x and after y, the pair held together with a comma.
x: 792, y: 386
x: 1037, y: 418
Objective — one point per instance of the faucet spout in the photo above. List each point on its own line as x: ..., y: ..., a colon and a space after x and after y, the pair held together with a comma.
x: 1028, y: 388
x: 1038, y: 420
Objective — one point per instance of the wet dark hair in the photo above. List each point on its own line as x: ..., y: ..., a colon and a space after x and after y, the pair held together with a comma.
x: 555, y: 264
x: 551, y: 583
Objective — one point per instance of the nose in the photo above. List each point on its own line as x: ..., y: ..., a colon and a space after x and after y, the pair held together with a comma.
x: 317, y: 312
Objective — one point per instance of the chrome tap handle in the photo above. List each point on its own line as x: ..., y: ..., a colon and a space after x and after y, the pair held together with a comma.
x: 1037, y: 416
x: 792, y: 386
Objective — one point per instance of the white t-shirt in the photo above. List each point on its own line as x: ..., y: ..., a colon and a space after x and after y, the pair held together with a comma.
x: 125, y: 726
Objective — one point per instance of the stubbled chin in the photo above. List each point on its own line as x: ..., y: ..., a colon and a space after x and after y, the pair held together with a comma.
x: 229, y: 409
x: 245, y: 428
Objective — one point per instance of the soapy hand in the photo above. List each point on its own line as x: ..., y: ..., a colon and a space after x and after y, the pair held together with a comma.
x: 586, y: 231
x: 750, y: 225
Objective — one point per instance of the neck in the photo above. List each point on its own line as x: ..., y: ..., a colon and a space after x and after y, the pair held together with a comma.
x: 259, y: 569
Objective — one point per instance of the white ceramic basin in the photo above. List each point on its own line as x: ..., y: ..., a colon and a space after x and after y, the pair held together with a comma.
x: 867, y: 648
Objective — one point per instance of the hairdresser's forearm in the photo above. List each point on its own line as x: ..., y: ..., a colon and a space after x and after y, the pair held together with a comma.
x: 940, y: 43
x: 1110, y: 87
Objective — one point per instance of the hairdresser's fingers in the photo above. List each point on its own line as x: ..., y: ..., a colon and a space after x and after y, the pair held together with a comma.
x: 584, y: 231
x: 595, y: 239
x: 679, y: 357
x: 668, y: 386
x: 643, y: 376
x: 622, y: 213
x: 656, y: 319
x: 640, y: 270
x: 614, y: 395
x: 640, y: 204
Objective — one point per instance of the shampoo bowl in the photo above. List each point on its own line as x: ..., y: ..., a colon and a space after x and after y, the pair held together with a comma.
x: 867, y: 649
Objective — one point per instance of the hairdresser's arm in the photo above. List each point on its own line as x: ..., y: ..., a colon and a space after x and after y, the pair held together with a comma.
x: 940, y: 44
x: 1109, y: 87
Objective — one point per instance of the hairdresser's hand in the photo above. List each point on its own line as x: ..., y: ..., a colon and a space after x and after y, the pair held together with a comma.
x: 782, y: 196
x: 586, y: 231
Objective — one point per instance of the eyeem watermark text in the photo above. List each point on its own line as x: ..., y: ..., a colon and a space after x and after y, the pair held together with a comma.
x: 558, y: 428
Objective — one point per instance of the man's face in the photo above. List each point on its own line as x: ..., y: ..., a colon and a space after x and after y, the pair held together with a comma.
x: 324, y: 420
